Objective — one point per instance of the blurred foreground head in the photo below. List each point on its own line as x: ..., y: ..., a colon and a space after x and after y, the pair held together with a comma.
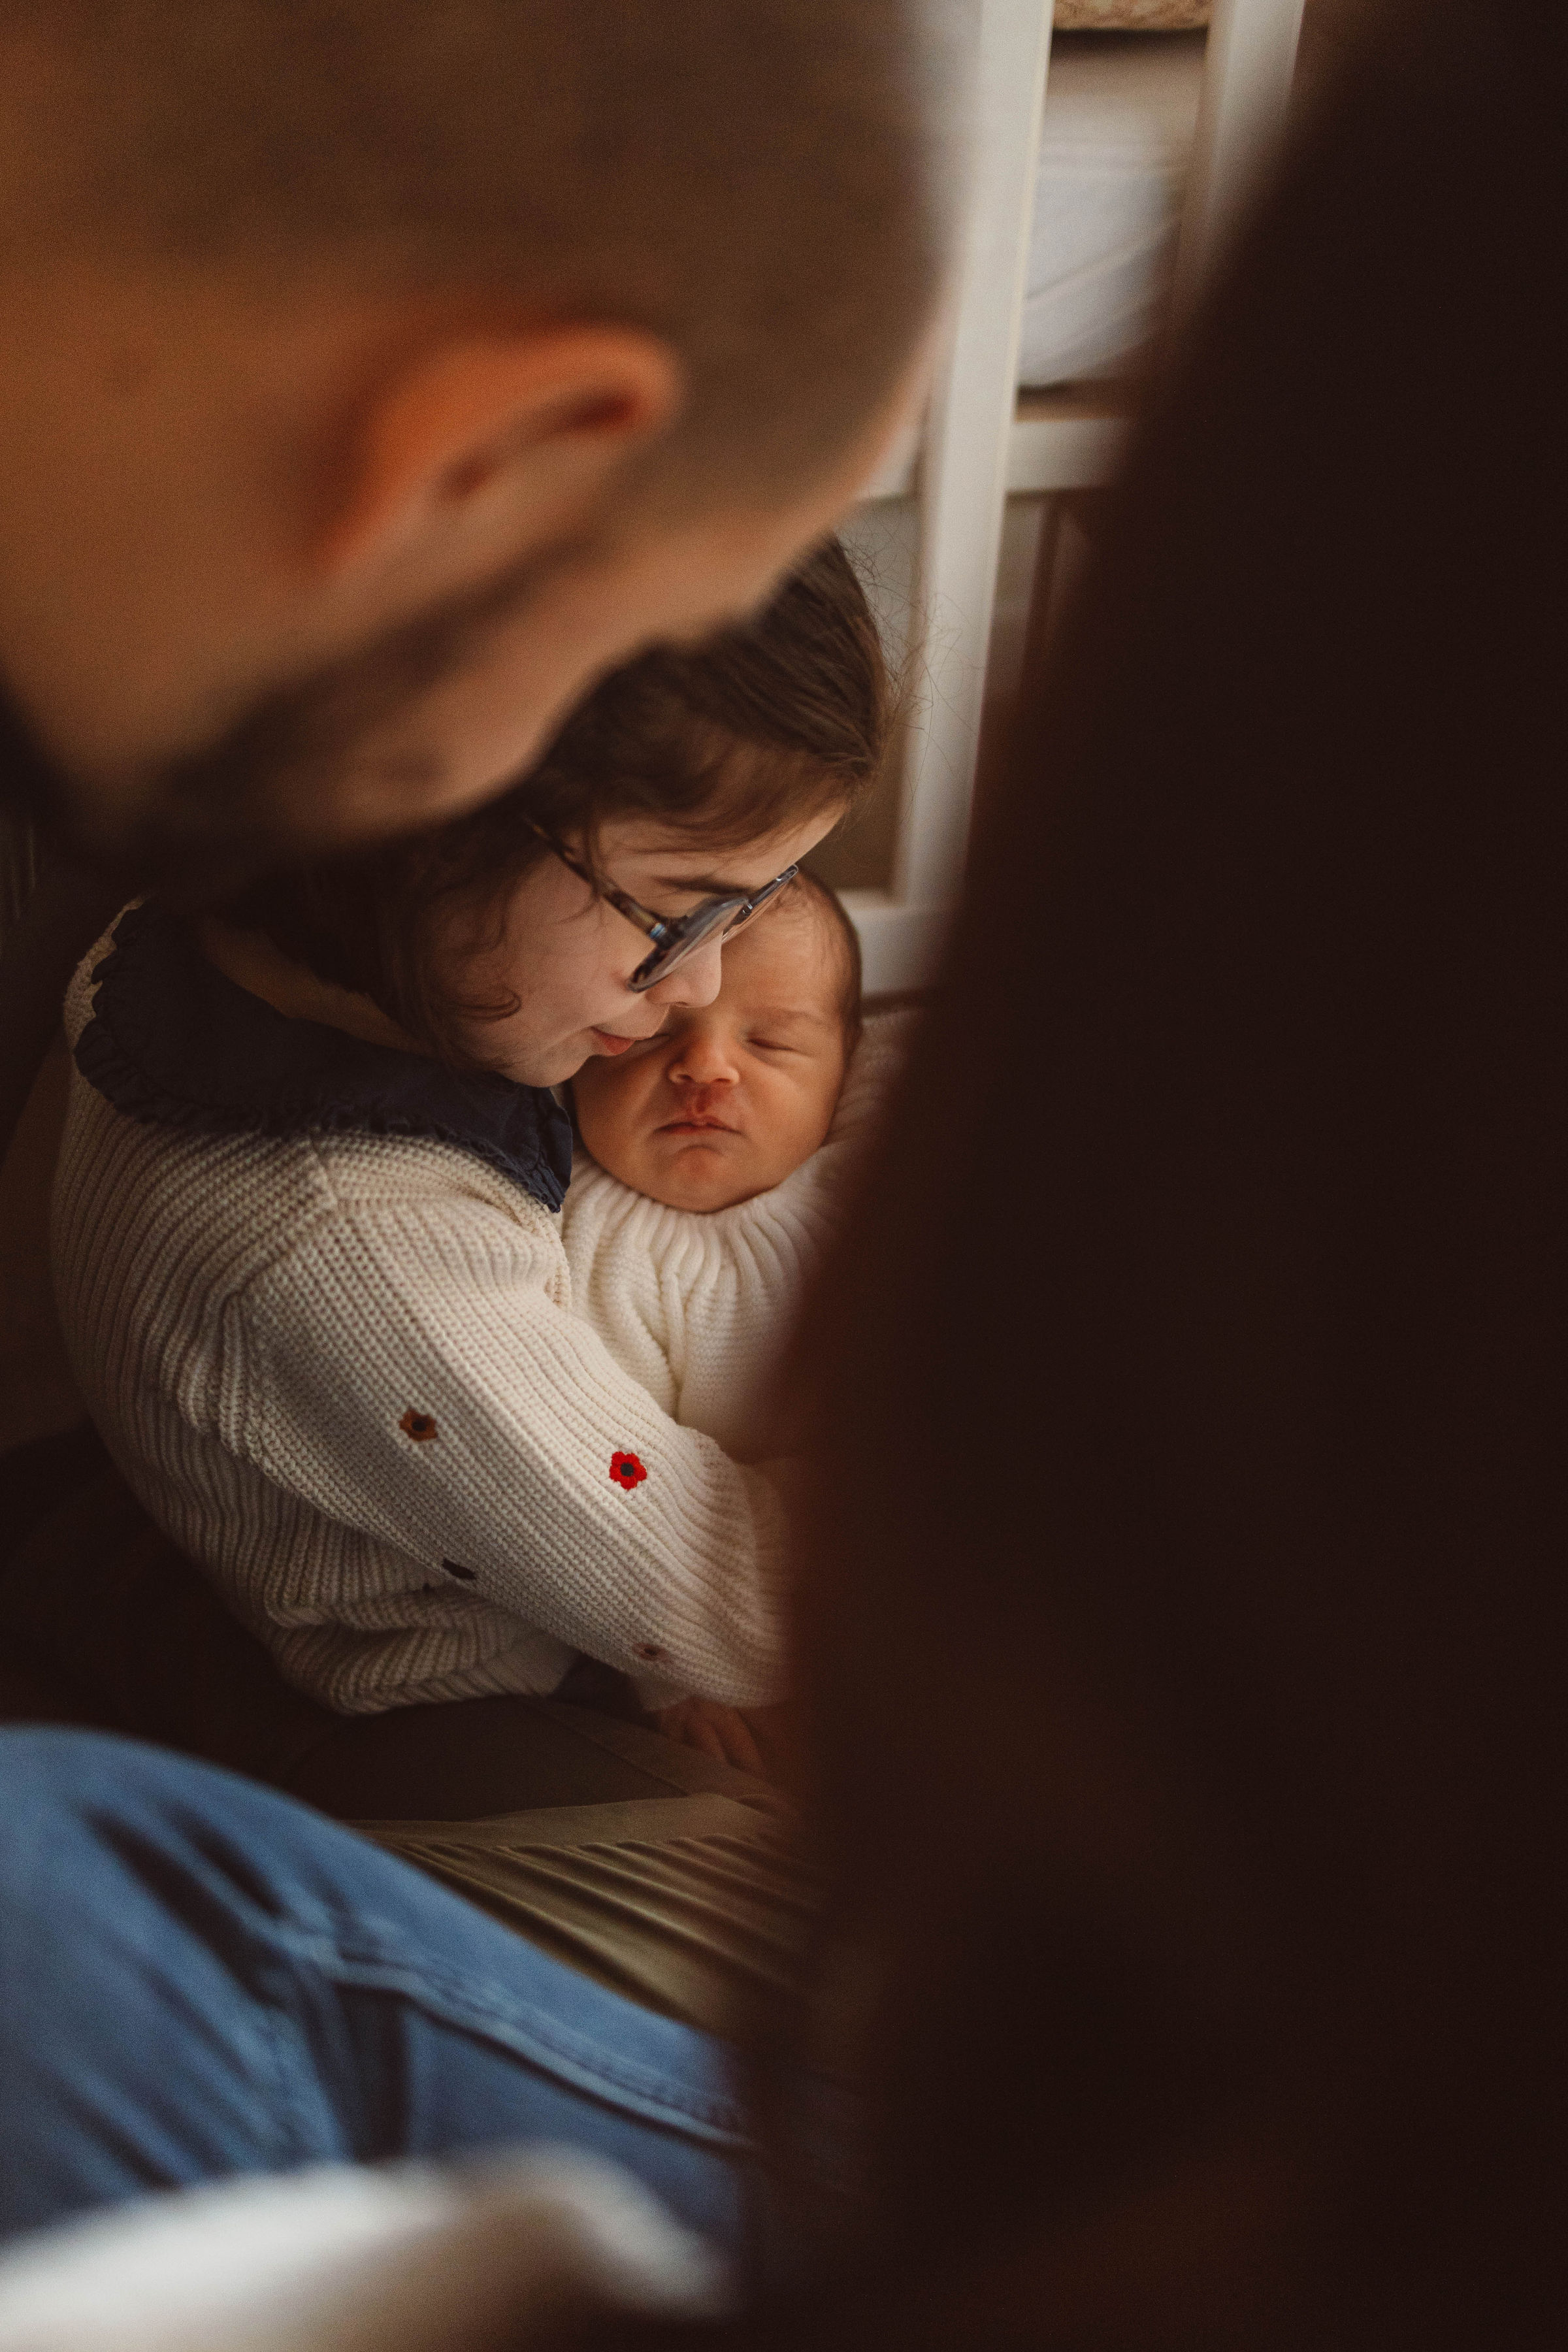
x: 377, y: 374
x: 1183, y: 1627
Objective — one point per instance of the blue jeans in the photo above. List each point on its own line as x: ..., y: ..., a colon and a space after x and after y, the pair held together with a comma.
x: 199, y: 1977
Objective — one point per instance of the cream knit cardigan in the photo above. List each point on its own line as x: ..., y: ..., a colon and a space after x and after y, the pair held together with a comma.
x: 699, y: 1308
x: 343, y: 1372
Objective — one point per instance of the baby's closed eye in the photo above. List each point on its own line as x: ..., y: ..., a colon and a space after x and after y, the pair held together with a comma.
x: 789, y: 1033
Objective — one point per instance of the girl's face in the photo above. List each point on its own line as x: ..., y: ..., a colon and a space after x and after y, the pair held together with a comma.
x: 568, y: 957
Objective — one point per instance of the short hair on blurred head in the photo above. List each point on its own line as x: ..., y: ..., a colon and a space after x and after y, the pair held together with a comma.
x: 758, y: 182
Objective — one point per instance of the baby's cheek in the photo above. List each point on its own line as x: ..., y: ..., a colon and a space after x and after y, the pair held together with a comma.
x: 601, y: 1112
x: 616, y: 1151
x: 817, y: 1108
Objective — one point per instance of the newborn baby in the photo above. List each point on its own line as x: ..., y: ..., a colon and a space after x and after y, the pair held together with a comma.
x: 712, y: 1176
x: 712, y: 1171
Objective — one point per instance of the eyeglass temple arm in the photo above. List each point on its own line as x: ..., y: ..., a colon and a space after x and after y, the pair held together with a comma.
x: 654, y: 926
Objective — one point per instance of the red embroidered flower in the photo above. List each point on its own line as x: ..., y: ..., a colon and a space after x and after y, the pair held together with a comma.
x: 420, y: 1426
x: 627, y: 1471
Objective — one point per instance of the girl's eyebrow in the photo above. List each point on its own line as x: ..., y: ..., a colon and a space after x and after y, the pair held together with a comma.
x: 706, y: 886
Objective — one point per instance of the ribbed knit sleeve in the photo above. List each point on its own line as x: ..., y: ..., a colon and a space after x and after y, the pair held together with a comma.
x: 411, y: 1368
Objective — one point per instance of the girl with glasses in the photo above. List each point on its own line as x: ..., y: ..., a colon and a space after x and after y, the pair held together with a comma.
x: 308, y: 1238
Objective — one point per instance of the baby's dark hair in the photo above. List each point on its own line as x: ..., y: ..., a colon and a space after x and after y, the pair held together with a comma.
x: 810, y: 900
x: 769, y: 723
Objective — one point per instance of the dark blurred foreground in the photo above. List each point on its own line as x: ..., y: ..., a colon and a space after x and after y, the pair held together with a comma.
x: 1184, y: 1633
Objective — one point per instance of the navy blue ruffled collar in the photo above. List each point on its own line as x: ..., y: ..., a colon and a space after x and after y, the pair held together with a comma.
x: 174, y: 1043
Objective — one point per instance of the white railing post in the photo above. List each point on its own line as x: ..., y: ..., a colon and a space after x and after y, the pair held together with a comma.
x: 1247, y: 70
x: 963, y: 484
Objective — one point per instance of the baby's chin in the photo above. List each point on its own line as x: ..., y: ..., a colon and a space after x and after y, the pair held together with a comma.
x: 698, y: 1177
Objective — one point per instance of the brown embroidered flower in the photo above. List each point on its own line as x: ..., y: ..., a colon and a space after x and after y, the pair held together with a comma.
x: 420, y: 1426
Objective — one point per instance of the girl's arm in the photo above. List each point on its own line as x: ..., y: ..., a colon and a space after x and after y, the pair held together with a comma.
x: 414, y: 1370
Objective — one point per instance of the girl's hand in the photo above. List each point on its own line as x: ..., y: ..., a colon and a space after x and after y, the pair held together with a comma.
x: 721, y: 1732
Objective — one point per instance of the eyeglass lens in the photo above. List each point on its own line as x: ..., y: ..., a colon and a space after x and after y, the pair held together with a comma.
x: 665, y: 959
x: 721, y: 914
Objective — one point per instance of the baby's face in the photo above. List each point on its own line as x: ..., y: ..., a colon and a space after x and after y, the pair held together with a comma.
x: 731, y: 1095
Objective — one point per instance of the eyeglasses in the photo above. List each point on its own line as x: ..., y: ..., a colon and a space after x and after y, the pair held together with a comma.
x: 674, y: 937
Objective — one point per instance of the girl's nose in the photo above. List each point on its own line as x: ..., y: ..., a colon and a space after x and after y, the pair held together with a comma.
x: 695, y: 983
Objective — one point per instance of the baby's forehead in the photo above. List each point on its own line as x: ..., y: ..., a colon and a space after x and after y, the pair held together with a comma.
x: 789, y: 958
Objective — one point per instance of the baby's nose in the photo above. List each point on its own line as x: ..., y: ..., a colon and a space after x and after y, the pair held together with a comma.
x: 704, y: 1064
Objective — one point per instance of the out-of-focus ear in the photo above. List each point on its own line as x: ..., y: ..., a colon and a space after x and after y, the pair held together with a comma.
x: 485, y: 435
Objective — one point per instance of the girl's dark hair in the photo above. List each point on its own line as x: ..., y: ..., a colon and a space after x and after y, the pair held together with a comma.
x: 775, y: 720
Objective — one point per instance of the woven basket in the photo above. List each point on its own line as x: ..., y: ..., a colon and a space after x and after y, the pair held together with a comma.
x: 1130, y: 15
